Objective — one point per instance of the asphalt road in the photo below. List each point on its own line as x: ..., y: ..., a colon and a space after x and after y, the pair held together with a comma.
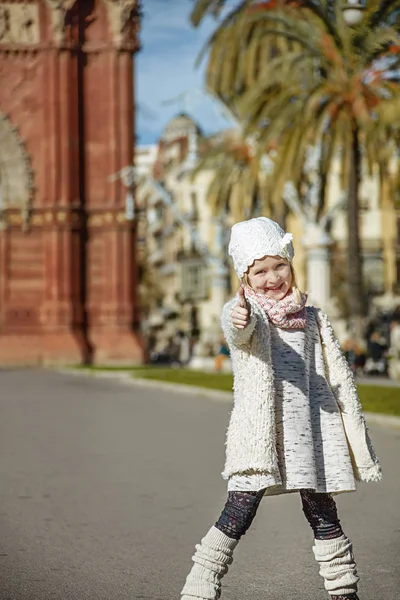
x: 106, y: 487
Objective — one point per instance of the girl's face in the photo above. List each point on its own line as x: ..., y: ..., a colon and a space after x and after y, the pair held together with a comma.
x: 271, y: 276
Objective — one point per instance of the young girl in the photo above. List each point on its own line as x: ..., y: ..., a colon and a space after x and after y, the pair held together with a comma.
x: 297, y: 423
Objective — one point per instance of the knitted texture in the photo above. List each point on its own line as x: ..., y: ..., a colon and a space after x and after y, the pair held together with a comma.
x: 337, y: 566
x: 251, y: 435
x: 321, y: 512
x: 238, y: 513
x: 287, y: 313
x: 365, y: 462
x: 211, y: 561
x: 256, y: 238
x: 311, y: 444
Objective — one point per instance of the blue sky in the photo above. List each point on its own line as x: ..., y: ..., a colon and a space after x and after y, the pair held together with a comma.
x: 165, y: 70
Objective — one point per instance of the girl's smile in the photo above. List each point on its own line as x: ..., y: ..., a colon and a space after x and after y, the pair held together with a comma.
x: 271, y: 276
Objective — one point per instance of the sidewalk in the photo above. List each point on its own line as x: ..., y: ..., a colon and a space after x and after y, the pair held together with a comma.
x: 383, y: 381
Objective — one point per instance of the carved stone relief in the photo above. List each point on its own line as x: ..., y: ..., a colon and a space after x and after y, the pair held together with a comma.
x: 121, y: 13
x: 19, y: 23
x: 59, y: 9
x: 123, y: 16
x: 16, y: 175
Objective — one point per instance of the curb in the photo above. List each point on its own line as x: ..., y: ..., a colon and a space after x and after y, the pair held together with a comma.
x: 184, y: 389
x: 125, y: 377
x: 181, y: 388
x: 382, y: 420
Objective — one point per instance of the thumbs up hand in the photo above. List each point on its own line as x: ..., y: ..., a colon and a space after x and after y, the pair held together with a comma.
x: 241, y: 313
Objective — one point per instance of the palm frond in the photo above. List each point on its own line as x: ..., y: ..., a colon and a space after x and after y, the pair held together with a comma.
x: 375, y: 42
x: 291, y: 27
x: 384, y: 9
x: 370, y: 10
x: 236, y: 182
x: 322, y: 11
x: 270, y: 79
x: 298, y: 75
x: 221, y: 29
x: 205, y: 7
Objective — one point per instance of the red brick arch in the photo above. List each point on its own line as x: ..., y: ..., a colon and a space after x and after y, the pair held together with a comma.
x: 68, y: 279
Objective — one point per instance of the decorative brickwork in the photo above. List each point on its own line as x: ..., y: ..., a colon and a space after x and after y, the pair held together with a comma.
x: 67, y: 251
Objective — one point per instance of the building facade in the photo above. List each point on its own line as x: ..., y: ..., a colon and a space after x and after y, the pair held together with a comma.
x: 187, y: 245
x: 379, y: 233
x: 67, y: 249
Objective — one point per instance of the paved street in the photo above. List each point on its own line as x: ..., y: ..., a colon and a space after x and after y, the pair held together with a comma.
x: 106, y: 487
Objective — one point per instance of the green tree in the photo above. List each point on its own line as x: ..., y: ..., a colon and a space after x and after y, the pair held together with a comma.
x: 239, y: 179
x: 323, y: 81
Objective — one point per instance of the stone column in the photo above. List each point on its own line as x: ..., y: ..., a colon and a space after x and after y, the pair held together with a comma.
x: 317, y: 243
x: 67, y: 251
x: 40, y: 245
x: 108, y: 107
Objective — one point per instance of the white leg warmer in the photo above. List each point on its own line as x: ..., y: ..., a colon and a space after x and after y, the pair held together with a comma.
x: 337, y: 565
x: 211, y: 560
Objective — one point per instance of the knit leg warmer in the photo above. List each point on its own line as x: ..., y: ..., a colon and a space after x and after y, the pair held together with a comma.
x: 337, y: 566
x: 211, y: 561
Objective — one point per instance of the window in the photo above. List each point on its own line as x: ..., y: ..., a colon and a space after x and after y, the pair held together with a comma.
x: 160, y: 212
x: 194, y: 207
x: 159, y: 242
x: 194, y: 280
x: 374, y: 274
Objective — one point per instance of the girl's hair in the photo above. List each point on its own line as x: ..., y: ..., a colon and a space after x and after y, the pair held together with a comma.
x: 295, y: 288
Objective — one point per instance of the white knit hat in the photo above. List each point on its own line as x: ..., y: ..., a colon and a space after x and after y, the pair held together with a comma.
x: 256, y: 238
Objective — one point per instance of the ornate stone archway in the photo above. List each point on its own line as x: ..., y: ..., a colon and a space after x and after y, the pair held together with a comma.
x: 121, y: 15
x: 16, y: 174
x: 67, y: 250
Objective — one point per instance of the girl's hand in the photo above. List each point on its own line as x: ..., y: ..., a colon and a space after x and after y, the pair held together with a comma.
x: 241, y: 313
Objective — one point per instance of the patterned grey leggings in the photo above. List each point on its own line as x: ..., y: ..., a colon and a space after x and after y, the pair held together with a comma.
x: 241, y: 507
x: 319, y: 509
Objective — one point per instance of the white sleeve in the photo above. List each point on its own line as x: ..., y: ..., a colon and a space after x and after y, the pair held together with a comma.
x: 233, y: 335
x: 343, y: 385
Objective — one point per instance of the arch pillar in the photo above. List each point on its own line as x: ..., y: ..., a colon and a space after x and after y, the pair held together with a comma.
x: 67, y: 251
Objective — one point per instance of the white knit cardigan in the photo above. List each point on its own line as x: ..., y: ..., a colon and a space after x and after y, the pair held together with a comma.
x: 251, y: 436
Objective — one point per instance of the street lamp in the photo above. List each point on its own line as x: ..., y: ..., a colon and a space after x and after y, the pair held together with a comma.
x: 353, y: 12
x: 127, y: 175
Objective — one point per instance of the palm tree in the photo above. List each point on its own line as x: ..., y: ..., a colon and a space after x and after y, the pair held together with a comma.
x: 307, y: 201
x: 331, y: 82
x: 239, y: 176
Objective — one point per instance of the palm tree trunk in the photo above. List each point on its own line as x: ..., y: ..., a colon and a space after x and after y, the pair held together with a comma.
x: 354, y: 257
x: 279, y: 214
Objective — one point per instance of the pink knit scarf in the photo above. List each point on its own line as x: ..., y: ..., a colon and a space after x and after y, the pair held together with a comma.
x: 286, y: 313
